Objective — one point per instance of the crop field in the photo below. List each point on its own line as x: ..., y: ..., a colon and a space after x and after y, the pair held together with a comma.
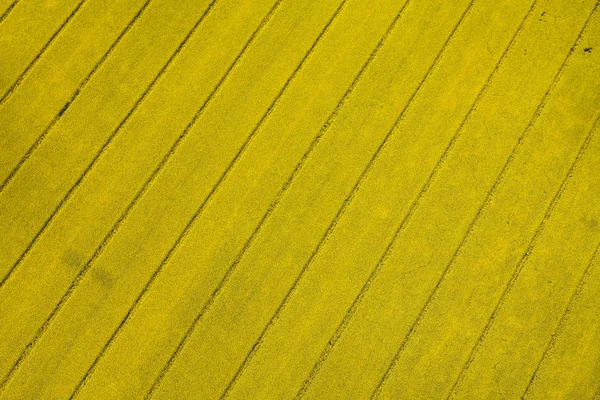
x: 300, y: 199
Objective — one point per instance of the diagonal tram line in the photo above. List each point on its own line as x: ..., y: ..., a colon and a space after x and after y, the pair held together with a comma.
x: 81, y: 274
x: 381, y: 263
x: 106, y: 144
x: 345, y: 204
x: 7, y: 11
x: 484, y: 205
x: 73, y: 97
x: 46, y: 46
x: 145, y: 188
x: 522, y: 262
x: 563, y: 319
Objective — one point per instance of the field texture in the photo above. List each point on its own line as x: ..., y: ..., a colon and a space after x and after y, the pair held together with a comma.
x: 300, y: 199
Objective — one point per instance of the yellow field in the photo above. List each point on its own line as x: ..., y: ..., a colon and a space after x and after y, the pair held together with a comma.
x: 334, y: 199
